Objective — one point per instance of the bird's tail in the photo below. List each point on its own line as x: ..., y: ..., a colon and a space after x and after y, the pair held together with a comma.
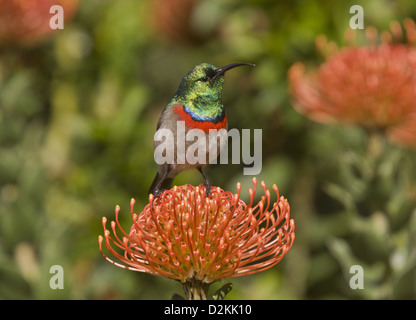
x: 165, y: 185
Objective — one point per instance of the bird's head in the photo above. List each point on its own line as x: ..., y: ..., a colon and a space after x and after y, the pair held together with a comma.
x: 205, y: 80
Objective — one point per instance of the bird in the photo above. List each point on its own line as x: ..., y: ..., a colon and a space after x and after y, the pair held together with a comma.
x: 198, y: 103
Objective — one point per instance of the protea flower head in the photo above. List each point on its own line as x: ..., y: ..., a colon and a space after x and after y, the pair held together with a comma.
x: 197, y: 240
x: 373, y: 86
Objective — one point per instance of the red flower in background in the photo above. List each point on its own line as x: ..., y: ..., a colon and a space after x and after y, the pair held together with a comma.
x: 185, y: 236
x: 27, y: 21
x: 172, y: 18
x: 373, y: 86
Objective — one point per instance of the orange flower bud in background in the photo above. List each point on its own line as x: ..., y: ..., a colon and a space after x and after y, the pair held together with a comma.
x: 25, y: 22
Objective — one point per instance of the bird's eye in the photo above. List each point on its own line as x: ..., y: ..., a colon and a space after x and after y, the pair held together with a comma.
x: 204, y: 79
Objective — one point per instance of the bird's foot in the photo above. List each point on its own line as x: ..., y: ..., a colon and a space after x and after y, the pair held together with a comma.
x: 158, y: 192
x: 208, y: 189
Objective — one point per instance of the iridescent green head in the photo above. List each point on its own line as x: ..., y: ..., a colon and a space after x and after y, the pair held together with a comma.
x: 201, y: 88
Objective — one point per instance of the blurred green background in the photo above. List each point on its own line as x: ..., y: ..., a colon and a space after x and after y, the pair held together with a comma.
x: 78, y: 111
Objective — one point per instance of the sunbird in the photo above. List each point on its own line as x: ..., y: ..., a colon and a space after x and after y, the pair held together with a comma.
x: 197, y: 103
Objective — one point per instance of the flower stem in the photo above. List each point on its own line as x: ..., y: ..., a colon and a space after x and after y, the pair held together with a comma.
x: 195, y: 289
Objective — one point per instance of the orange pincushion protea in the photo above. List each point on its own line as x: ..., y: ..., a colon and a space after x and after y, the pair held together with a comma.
x: 373, y: 86
x: 185, y: 236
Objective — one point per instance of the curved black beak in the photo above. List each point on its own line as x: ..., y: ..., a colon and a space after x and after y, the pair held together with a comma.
x: 222, y: 70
